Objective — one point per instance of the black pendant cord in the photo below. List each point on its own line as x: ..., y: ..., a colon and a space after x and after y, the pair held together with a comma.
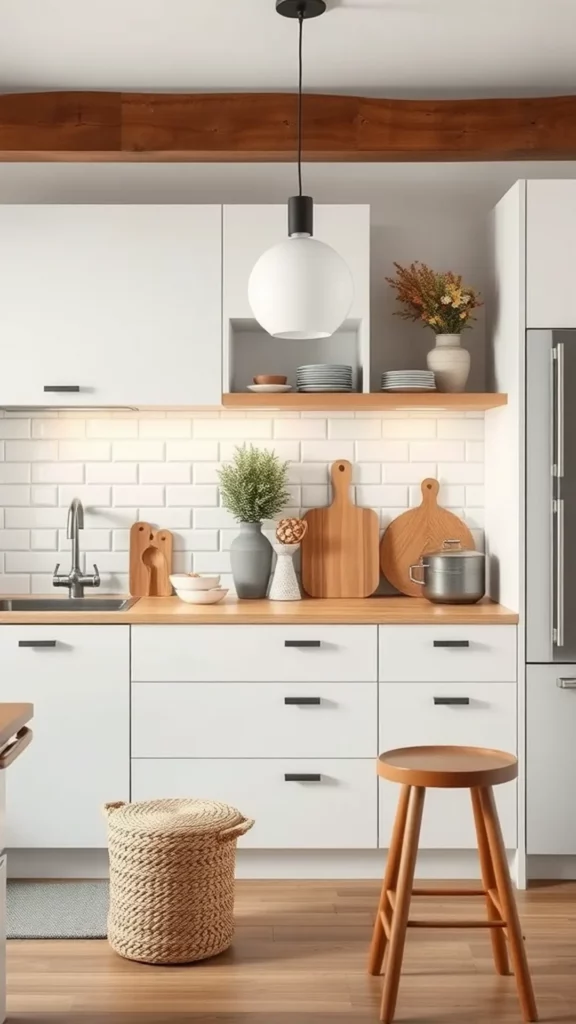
x: 300, y: 34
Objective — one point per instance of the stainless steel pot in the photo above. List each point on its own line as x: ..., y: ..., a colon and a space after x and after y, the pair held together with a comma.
x: 452, y: 575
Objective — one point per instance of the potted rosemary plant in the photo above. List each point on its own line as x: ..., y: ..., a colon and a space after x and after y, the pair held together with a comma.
x: 253, y: 488
x: 442, y: 302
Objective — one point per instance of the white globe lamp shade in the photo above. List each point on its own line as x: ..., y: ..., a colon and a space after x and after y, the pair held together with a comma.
x: 300, y: 289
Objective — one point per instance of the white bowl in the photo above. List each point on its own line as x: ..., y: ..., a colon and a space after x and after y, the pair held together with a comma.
x: 202, y: 596
x: 181, y: 581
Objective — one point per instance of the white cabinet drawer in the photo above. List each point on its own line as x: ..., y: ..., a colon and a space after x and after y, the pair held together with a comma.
x: 254, y: 719
x: 254, y: 653
x: 337, y: 812
x: 409, y: 717
x: 448, y: 822
x: 415, y: 714
x: 447, y: 653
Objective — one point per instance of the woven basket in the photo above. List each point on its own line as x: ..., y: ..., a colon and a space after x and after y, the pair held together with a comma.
x: 172, y: 878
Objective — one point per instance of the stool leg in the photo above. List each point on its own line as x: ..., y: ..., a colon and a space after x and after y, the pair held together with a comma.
x: 499, y: 951
x: 508, y: 904
x: 378, y: 945
x: 402, y: 908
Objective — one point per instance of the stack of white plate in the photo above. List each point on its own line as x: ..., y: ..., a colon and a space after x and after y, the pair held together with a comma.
x: 324, y: 377
x: 408, y: 380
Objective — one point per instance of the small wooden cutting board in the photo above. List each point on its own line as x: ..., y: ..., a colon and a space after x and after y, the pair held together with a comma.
x: 340, y: 548
x: 414, y: 533
x: 150, y: 561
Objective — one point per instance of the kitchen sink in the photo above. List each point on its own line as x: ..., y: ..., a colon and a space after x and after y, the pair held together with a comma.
x: 67, y: 604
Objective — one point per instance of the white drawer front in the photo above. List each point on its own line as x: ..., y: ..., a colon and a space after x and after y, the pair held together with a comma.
x: 448, y: 823
x: 254, y: 653
x: 254, y: 719
x: 409, y: 717
x: 339, y: 812
x: 447, y: 653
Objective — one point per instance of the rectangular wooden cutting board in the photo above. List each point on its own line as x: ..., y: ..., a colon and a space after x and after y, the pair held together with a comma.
x: 340, y: 549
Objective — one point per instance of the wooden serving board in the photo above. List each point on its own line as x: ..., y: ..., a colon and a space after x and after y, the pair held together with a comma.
x: 150, y: 561
x: 414, y: 533
x: 340, y: 548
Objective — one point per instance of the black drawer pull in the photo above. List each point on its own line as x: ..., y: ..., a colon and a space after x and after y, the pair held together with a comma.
x: 302, y: 777
x: 451, y: 643
x: 62, y: 388
x: 452, y: 700
x: 36, y: 643
x: 301, y: 700
x: 302, y: 643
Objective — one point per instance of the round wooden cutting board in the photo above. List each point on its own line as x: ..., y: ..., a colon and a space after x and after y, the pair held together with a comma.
x: 414, y: 533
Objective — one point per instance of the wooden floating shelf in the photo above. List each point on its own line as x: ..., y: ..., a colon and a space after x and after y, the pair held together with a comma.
x: 376, y: 401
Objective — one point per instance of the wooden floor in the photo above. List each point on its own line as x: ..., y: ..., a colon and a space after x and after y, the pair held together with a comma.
x: 299, y: 957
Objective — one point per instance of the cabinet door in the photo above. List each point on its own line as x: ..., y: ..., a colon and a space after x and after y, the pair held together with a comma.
x: 550, y: 254
x: 551, y: 759
x: 79, y: 755
x: 121, y: 302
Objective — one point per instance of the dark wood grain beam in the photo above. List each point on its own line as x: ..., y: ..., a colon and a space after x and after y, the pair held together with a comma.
x: 226, y: 127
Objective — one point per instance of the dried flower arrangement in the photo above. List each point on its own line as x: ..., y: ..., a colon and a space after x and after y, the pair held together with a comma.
x: 439, y: 300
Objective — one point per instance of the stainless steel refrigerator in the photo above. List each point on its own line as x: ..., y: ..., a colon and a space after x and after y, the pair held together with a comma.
x: 551, y: 590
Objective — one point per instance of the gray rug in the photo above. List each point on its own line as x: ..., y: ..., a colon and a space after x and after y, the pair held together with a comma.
x: 57, y: 910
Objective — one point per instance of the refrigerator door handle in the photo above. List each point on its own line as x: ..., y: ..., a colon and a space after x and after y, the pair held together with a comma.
x: 559, y: 616
x: 559, y: 411
x: 566, y: 683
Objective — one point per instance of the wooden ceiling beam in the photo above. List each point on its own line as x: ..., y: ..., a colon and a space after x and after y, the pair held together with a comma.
x: 258, y: 127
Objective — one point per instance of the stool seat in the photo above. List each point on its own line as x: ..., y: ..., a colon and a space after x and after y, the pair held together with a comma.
x: 447, y: 767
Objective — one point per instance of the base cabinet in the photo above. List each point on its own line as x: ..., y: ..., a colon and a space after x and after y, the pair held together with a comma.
x: 79, y: 757
x: 551, y: 759
x: 335, y: 807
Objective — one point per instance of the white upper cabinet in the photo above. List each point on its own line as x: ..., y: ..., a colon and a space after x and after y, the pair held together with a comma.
x: 550, y: 254
x: 120, y: 302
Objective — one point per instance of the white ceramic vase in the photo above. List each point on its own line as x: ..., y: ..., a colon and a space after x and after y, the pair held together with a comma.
x: 285, y: 585
x: 450, y: 362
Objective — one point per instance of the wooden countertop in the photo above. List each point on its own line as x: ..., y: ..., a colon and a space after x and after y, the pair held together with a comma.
x: 12, y: 718
x: 372, y: 611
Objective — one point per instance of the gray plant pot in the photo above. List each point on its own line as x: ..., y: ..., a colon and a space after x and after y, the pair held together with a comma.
x: 251, y: 561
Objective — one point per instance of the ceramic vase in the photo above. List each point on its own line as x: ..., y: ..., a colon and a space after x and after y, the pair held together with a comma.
x: 285, y: 585
x: 450, y: 363
x: 251, y: 561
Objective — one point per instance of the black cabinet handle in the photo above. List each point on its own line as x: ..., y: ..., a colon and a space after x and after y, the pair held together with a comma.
x: 452, y: 700
x: 451, y: 643
x: 302, y: 643
x: 62, y: 388
x: 36, y: 643
x: 301, y: 700
x: 302, y: 777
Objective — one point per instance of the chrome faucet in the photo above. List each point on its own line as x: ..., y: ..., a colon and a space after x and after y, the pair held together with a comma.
x: 75, y: 581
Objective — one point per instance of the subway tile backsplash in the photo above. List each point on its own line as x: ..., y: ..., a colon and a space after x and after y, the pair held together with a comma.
x: 162, y: 467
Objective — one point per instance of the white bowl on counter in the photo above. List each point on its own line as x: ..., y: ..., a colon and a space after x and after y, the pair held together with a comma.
x: 202, y: 596
x: 183, y: 581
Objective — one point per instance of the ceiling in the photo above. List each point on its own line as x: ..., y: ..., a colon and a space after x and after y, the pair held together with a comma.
x: 372, y: 47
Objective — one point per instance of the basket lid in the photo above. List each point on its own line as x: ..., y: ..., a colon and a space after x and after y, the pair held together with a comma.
x: 197, y: 817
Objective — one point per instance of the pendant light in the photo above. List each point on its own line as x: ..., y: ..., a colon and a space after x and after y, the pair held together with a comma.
x: 300, y: 288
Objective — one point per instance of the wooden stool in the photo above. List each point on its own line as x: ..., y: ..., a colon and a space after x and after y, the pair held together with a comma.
x: 477, y: 769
